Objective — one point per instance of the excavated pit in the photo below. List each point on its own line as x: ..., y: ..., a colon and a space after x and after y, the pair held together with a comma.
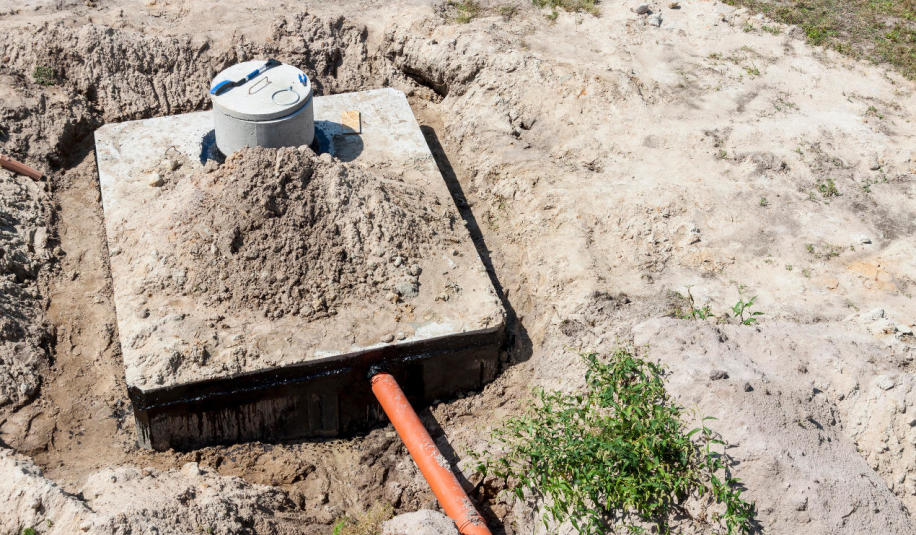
x: 252, y: 296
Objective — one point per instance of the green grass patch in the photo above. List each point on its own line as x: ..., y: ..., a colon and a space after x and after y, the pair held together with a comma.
x: 44, y: 75
x: 465, y: 11
x: 883, y: 31
x: 616, y: 455
x: 576, y: 6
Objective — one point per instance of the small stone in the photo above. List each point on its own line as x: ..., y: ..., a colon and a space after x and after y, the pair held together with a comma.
x: 875, y: 165
x: 864, y: 240
x: 748, y: 387
x: 717, y: 375
x: 388, y: 338
x: 674, y: 5
x: 875, y: 314
x: 191, y: 469
x: 656, y: 20
x: 415, y: 270
x: 155, y: 180
x: 85, y: 525
x: 36, y: 503
x: 886, y: 382
x: 393, y: 297
x: 407, y: 288
x: 172, y: 164
x: 904, y: 330
x: 401, y: 336
x: 642, y: 9
x: 398, y: 260
x: 143, y: 313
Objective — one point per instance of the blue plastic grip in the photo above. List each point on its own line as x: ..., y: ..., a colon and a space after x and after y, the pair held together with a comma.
x: 219, y: 86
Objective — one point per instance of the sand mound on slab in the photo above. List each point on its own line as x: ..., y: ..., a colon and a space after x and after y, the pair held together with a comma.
x: 287, y: 232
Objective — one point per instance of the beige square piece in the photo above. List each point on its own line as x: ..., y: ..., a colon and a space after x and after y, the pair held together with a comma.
x: 351, y: 120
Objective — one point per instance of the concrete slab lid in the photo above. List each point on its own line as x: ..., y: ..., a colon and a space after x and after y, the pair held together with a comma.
x: 276, y: 93
x: 153, y: 327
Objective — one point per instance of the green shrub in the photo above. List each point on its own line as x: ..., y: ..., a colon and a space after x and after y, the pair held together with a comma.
x: 617, y: 449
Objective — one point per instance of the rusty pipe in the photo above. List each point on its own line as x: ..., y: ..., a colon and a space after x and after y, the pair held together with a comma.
x: 19, y: 167
x: 429, y: 459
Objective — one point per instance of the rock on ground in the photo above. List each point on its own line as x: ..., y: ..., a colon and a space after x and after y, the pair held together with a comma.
x: 423, y: 522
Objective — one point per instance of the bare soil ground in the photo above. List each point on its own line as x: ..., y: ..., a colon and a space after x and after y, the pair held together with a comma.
x: 604, y: 165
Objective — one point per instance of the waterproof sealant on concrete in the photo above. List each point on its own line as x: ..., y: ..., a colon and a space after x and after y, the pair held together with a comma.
x: 271, y: 380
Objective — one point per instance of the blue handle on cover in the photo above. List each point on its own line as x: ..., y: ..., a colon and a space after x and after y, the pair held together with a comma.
x: 219, y: 86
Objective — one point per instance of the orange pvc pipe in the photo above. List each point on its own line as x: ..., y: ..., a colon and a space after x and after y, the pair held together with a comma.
x: 432, y: 464
x: 19, y: 167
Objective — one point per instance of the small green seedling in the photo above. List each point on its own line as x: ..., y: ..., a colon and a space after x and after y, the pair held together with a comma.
x: 693, y: 312
x: 742, y: 311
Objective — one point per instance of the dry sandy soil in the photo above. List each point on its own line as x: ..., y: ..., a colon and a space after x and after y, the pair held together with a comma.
x: 604, y: 166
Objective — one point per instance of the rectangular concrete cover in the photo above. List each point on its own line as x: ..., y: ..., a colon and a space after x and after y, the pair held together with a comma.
x: 287, y: 378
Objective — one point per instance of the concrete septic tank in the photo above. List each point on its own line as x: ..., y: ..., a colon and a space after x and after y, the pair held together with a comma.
x: 273, y: 109
x: 295, y: 378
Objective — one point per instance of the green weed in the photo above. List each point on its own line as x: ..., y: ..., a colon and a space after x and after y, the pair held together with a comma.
x: 507, y: 12
x: 466, y: 11
x: 614, y: 451
x: 576, y: 6
x: 44, y: 75
x: 828, y: 188
x: 764, y: 202
x: 693, y: 312
x: 742, y: 311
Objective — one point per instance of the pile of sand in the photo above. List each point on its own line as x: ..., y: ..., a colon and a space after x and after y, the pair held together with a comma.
x: 290, y: 233
x: 25, y: 257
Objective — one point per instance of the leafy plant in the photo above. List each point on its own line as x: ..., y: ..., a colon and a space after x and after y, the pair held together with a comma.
x: 693, y: 312
x: 44, y: 75
x: 616, y: 451
x: 828, y: 188
x: 29, y: 531
x: 742, y: 311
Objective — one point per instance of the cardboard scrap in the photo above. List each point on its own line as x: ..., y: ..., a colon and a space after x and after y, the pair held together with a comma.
x: 351, y: 119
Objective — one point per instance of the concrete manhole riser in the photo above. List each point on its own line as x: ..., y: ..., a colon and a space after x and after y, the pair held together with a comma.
x: 300, y: 378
